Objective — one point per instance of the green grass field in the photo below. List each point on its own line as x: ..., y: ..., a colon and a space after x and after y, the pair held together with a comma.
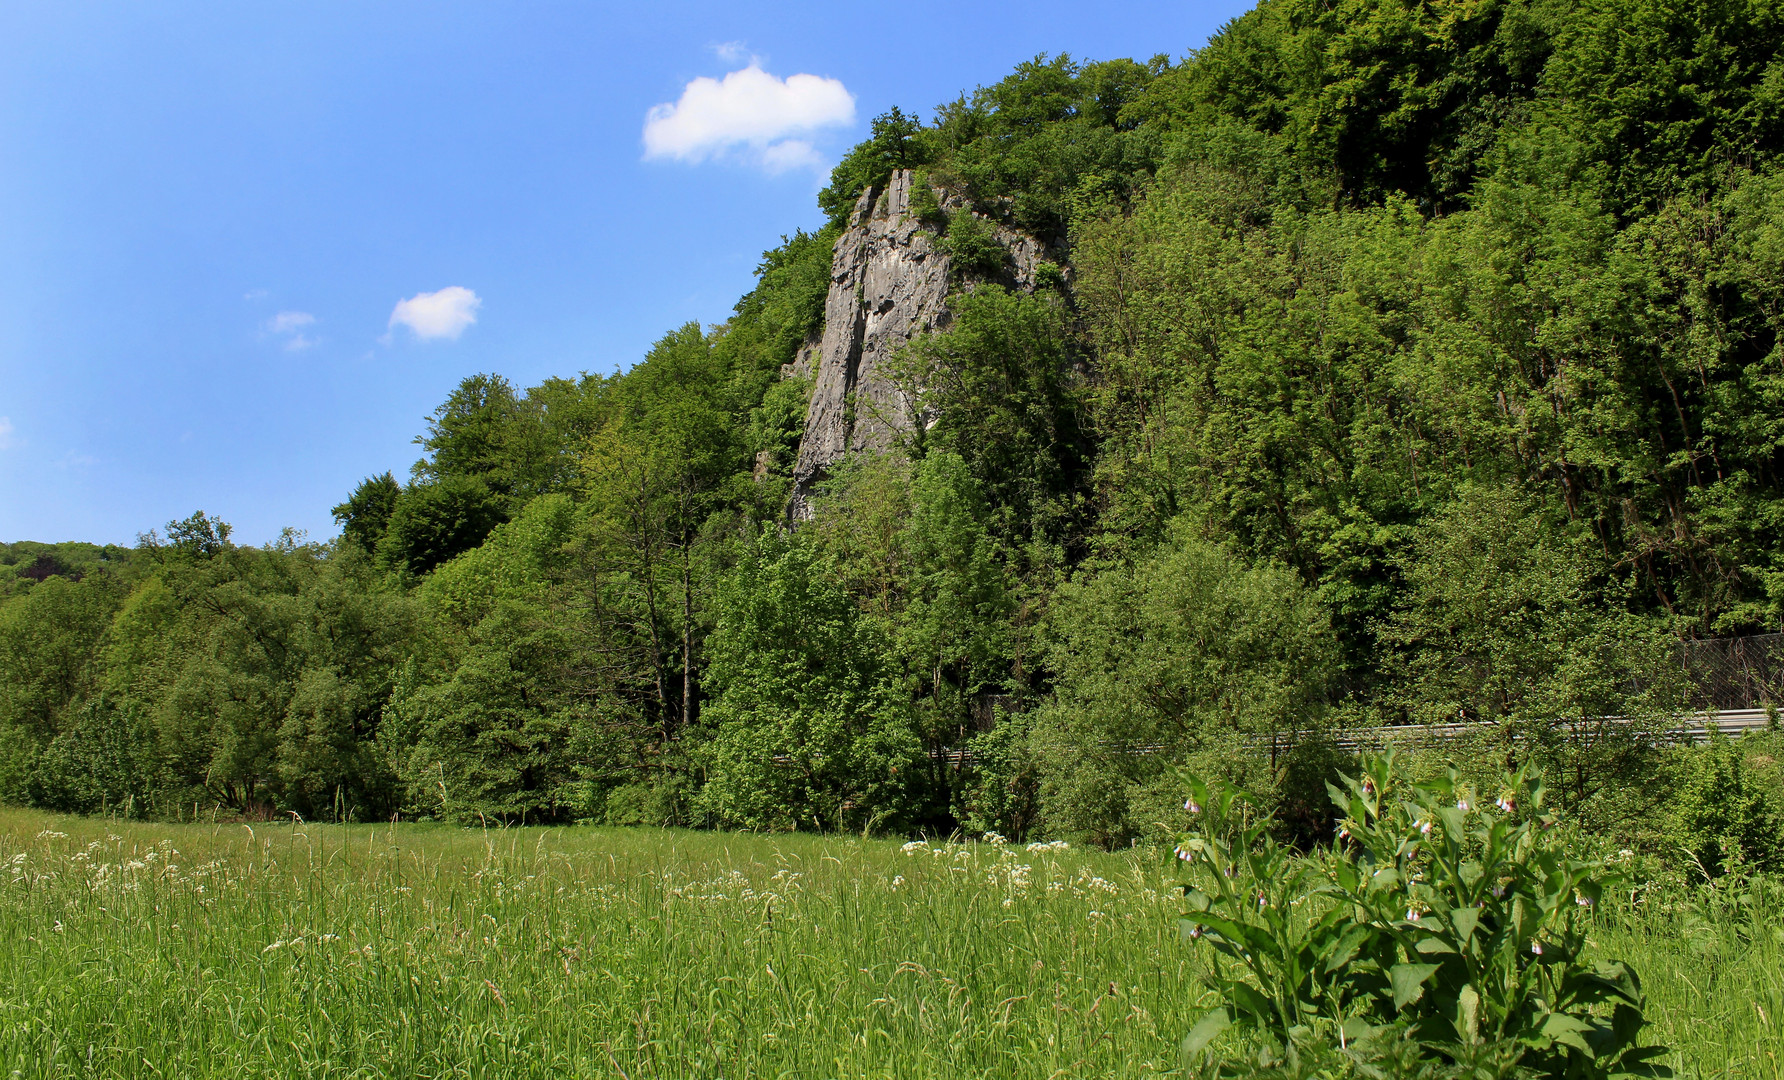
x: 417, y: 950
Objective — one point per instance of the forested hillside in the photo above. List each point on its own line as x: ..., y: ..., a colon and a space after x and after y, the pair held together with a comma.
x: 1395, y: 363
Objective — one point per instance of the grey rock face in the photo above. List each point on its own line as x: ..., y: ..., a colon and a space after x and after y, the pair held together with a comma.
x: 889, y: 284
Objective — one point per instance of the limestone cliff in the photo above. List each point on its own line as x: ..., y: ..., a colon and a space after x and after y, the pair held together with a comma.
x: 889, y: 282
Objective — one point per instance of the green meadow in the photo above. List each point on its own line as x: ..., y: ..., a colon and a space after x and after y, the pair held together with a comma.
x: 289, y: 950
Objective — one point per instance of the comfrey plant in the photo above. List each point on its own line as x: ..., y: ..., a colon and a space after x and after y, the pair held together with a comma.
x: 1437, y: 938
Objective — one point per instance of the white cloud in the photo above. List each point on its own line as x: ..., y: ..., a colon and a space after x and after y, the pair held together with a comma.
x: 286, y: 322
x: 790, y: 154
x: 254, y: 294
x: 732, y: 51
x: 442, y: 314
x: 7, y: 442
x: 750, y: 111
x: 290, y: 326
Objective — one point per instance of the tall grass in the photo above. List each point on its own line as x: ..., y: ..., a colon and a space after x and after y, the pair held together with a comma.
x: 135, y: 950
x: 1713, y: 969
x: 431, y: 951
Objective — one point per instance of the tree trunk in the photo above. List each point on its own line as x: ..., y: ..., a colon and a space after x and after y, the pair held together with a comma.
x: 687, y: 634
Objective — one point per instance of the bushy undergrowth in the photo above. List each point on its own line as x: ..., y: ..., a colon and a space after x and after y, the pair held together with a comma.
x: 1442, y: 935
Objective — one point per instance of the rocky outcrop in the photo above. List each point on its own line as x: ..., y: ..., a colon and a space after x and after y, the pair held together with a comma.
x: 889, y: 282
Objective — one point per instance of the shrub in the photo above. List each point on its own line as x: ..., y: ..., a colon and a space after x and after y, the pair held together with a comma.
x: 101, y: 760
x: 1003, y: 795
x: 925, y: 207
x: 972, y: 243
x: 805, y: 727
x: 1508, y: 623
x: 660, y: 803
x: 1722, y: 816
x: 1188, y: 651
x: 1440, y: 938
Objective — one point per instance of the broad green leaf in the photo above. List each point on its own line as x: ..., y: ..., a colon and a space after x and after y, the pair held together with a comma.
x: 1408, y: 981
x: 1626, y: 1024
x: 1251, y: 937
x: 1355, y: 1028
x: 1342, y: 951
x: 1207, y: 1028
x: 1463, y: 920
x: 1467, y: 1018
x: 1608, y: 982
x: 1250, y: 1000
x: 1523, y: 920
x: 1639, y: 1062
x: 1566, y: 1030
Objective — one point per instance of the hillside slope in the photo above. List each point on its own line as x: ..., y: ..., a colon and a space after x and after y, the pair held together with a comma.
x: 1376, y: 362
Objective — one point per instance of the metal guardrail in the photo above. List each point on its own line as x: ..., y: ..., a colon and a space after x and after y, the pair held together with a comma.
x: 1726, y: 676
x: 1695, y: 728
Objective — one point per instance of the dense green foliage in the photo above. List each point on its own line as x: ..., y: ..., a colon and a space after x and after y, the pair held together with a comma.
x: 1403, y: 363
x: 1443, y: 936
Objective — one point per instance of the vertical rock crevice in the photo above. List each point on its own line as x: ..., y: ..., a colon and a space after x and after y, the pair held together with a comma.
x: 889, y: 282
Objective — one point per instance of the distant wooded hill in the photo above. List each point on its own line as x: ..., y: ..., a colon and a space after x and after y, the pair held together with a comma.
x: 1379, y: 362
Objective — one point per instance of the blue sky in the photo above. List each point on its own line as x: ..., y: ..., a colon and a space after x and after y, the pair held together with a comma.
x: 245, y: 249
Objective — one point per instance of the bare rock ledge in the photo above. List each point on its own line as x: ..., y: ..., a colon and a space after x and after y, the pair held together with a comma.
x: 889, y: 282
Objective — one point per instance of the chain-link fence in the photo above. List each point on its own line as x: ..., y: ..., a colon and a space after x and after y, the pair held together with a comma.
x: 1735, y: 673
